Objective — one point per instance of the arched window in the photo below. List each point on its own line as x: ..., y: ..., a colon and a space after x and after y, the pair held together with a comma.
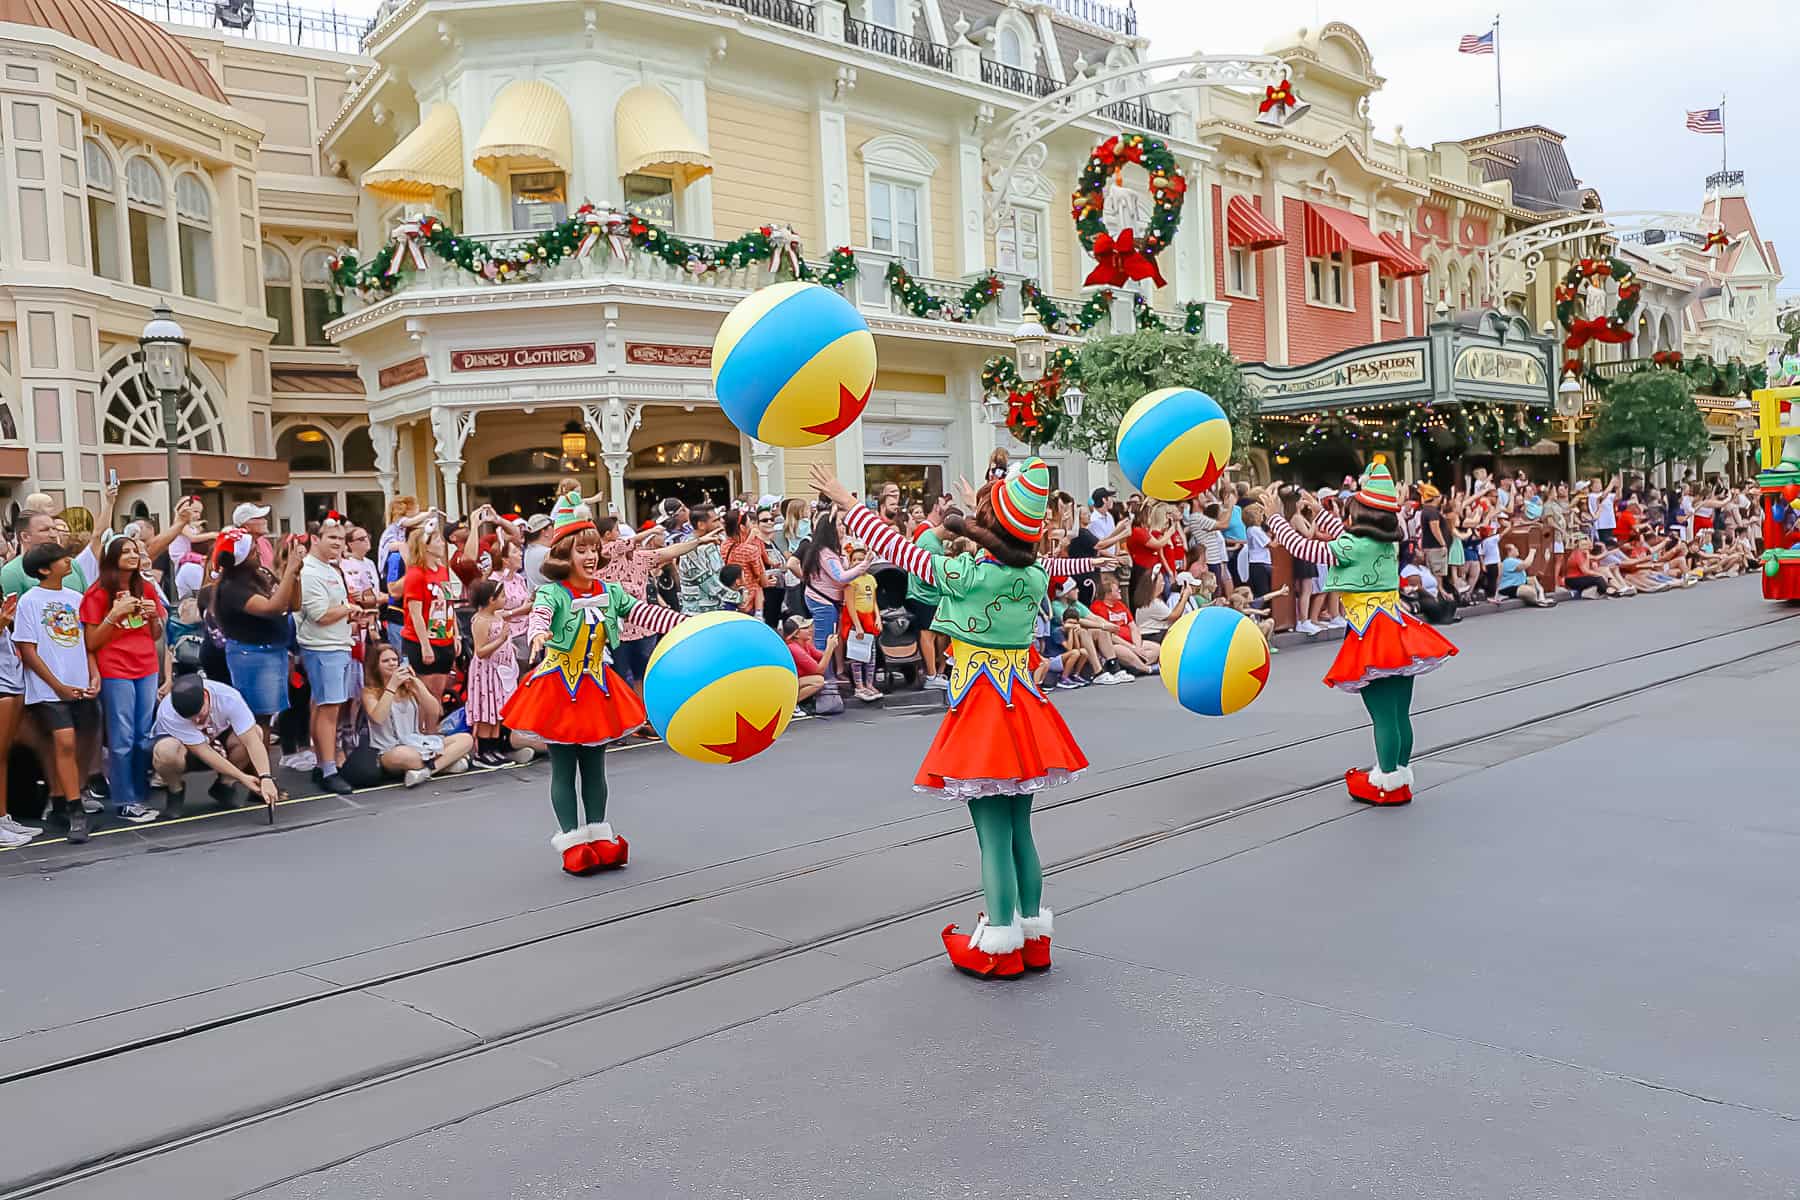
x: 134, y: 410
x: 1010, y: 47
x: 305, y: 448
x: 193, y: 229
x: 102, y: 210
x: 146, y: 206
x: 315, y: 294
x: 1475, y: 285
x: 359, y: 451
x: 278, y: 292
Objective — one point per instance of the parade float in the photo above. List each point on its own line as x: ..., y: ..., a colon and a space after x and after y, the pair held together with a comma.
x: 1778, y: 432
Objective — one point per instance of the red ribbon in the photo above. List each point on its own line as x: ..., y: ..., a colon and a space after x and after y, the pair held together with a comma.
x: 1598, y: 329
x: 1118, y: 260
x: 1715, y: 239
x: 1281, y: 93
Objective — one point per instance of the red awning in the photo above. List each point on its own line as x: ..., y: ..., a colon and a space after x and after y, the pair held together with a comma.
x: 1401, y: 262
x: 1246, y: 227
x: 1334, y: 231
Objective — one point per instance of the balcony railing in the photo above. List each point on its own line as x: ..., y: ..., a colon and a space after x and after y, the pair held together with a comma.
x: 1719, y: 179
x: 1106, y: 16
x: 316, y: 29
x: 782, y: 12
x: 1136, y: 112
x: 1013, y: 79
x: 895, y: 44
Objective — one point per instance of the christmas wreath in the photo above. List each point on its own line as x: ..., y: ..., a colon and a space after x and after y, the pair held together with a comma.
x: 1594, y: 272
x: 1033, y: 410
x: 1131, y: 255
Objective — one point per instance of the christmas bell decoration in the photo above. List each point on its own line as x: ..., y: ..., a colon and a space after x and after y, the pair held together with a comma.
x: 1281, y: 106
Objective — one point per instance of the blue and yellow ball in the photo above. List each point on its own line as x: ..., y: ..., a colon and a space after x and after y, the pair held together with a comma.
x: 1215, y: 661
x: 1173, y: 443
x: 793, y: 364
x: 721, y: 687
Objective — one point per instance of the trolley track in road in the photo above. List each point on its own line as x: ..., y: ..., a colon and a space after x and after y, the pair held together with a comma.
x: 122, y: 1049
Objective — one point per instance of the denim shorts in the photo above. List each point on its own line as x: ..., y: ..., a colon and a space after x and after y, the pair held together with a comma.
x: 260, y: 674
x: 328, y: 674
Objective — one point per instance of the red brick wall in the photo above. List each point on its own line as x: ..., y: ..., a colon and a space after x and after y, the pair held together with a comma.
x: 1314, y: 332
x: 1434, y: 223
x: 1244, y: 321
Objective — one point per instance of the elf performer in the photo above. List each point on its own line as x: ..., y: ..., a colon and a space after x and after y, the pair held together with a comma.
x: 573, y: 699
x: 1001, y: 740
x: 1384, y: 647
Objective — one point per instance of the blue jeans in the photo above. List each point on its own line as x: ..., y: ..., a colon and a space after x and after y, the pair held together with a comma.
x: 260, y: 674
x: 824, y: 619
x: 130, y: 706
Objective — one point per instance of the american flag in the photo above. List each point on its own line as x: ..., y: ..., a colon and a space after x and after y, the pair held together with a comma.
x: 1706, y: 120
x: 1473, y: 44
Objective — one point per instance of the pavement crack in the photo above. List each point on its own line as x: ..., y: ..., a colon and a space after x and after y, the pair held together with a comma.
x: 427, y: 1013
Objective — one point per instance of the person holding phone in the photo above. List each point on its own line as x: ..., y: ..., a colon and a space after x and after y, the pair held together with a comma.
x: 431, y: 636
x: 401, y: 710
x: 123, y: 620
x: 251, y: 605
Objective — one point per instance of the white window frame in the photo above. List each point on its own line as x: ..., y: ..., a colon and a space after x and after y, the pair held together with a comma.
x: 897, y: 160
x: 321, y: 255
x: 207, y: 289
x: 1010, y: 21
x: 1387, y: 294
x: 1315, y: 295
x: 1236, y: 257
x: 1045, y: 268
x: 161, y: 211
x: 113, y: 194
x: 267, y: 251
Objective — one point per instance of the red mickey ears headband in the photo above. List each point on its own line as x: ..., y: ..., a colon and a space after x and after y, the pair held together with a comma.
x: 334, y: 517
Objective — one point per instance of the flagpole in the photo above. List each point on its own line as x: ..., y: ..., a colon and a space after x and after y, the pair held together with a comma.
x: 1723, y: 147
x: 1499, y: 97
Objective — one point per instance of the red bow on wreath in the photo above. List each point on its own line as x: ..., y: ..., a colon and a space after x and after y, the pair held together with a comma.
x: 1598, y: 329
x: 1281, y: 93
x: 1118, y: 260
x: 1714, y: 240
x: 1022, y: 411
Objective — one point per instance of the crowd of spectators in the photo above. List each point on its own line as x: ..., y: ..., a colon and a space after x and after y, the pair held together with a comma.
x: 130, y: 659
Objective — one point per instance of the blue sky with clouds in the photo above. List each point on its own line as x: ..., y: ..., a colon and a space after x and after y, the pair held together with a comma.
x: 1616, y: 77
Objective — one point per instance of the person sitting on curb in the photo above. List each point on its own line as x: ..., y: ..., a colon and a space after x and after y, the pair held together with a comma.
x: 203, y: 724
x: 797, y: 632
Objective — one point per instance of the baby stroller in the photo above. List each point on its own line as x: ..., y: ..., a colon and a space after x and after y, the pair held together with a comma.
x: 897, y: 648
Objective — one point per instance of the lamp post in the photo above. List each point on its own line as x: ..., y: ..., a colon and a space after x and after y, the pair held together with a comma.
x: 1031, y: 347
x: 1569, y: 403
x: 165, y: 349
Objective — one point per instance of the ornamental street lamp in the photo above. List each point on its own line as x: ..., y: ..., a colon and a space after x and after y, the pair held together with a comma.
x: 1072, y: 400
x: 994, y: 409
x: 1569, y: 403
x: 1031, y: 345
x: 165, y: 349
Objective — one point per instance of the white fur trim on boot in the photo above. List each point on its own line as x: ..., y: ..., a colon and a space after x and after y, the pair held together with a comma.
x: 1038, y: 926
x: 1000, y: 939
x: 574, y: 837
x: 601, y: 832
x: 1406, y: 771
x: 1387, y: 781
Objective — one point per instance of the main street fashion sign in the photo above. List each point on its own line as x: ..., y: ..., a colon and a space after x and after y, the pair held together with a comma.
x: 524, y: 358
x: 1495, y: 360
x: 1482, y: 364
x: 1376, y: 369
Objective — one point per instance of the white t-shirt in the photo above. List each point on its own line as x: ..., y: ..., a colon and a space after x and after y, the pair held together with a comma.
x: 190, y: 577
x: 322, y: 589
x: 51, y: 620
x: 1422, y: 579
x: 1102, y: 525
x: 227, y: 712
x: 1256, y: 545
x: 535, y: 554
x: 1490, y: 550
x: 1601, y: 509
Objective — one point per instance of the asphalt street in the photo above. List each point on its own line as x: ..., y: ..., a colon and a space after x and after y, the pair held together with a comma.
x: 1564, y: 971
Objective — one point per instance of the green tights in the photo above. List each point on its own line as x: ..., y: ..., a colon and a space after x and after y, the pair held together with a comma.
x: 1012, y: 878
x: 1389, y: 702
x: 565, y: 761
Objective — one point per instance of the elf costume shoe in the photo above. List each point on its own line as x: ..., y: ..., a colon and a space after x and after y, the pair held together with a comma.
x: 610, y: 850
x: 1378, y: 787
x: 988, y: 951
x: 1036, y: 951
x: 577, y: 852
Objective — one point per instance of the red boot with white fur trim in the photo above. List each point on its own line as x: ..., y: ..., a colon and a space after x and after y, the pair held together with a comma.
x: 577, y: 852
x: 1036, y: 951
x: 610, y: 850
x: 988, y: 951
x: 1380, y: 788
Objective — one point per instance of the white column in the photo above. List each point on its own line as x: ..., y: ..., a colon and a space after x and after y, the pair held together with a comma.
x: 834, y: 179
x: 450, y: 429
x: 766, y: 461
x: 971, y: 227
x: 613, y: 422
x: 1193, y: 241
x: 383, y: 439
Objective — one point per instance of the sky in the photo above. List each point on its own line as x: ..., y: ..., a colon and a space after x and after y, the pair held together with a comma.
x: 1616, y: 77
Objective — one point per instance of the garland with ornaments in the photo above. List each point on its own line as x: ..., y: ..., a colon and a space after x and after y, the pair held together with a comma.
x: 919, y: 302
x: 1131, y: 255
x: 1704, y: 374
x: 1613, y: 329
x: 1034, y: 411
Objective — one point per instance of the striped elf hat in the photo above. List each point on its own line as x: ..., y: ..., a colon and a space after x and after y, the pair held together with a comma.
x: 1021, y: 498
x: 1377, y: 489
x: 570, y: 517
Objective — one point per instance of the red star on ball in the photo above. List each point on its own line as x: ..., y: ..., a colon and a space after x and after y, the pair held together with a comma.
x: 1261, y: 674
x: 1193, y: 487
x: 751, y: 739
x: 850, y: 407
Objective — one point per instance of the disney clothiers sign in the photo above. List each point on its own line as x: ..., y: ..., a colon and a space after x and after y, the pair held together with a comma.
x: 519, y: 358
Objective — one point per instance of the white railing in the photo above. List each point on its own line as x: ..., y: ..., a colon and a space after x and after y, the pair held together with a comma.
x: 290, y: 25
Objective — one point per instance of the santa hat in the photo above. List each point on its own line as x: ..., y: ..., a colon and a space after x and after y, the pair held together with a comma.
x: 570, y: 517
x: 1377, y: 489
x: 1021, y: 499
x: 233, y: 545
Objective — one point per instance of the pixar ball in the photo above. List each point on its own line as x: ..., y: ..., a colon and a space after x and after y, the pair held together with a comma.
x: 793, y: 364
x: 1173, y: 443
x: 721, y: 687
x: 1215, y: 661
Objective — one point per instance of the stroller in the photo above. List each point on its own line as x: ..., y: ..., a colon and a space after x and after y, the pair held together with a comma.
x: 897, y: 648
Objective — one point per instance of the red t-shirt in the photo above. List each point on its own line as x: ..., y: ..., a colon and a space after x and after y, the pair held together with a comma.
x: 1116, y: 612
x: 1627, y: 525
x: 437, y: 591
x: 805, y: 661
x: 1137, y: 544
x: 132, y: 652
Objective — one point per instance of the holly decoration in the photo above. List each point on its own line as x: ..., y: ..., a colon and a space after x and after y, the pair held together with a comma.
x: 1131, y: 255
x: 914, y: 297
x: 1614, y: 329
x: 1034, y: 411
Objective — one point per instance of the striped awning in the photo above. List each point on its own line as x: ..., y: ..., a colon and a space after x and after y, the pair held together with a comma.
x: 1401, y: 262
x: 427, y: 160
x: 528, y: 130
x: 1333, y: 231
x: 651, y: 135
x: 1246, y: 227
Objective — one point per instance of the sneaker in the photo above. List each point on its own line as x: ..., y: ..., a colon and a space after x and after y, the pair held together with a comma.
x: 415, y: 777
x: 457, y: 767
x: 137, y: 814
x: 525, y: 754
x: 1307, y: 627
x: 226, y: 794
x: 1066, y: 684
x: 78, y: 823
x: 92, y: 804
x: 868, y: 695
x: 798, y: 713
x: 1337, y: 623
x: 12, y: 841
x: 487, y: 760
x: 937, y: 682
x: 1109, y: 678
x: 12, y: 826
x: 336, y: 784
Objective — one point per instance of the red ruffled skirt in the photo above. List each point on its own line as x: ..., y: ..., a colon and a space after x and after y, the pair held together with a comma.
x: 987, y: 747
x: 1390, y: 646
x: 589, y: 716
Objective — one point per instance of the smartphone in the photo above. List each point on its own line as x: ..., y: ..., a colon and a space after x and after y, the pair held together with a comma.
x: 112, y: 477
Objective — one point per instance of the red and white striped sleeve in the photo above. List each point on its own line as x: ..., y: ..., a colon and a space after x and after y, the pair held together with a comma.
x: 1328, y: 527
x: 652, y: 618
x: 1304, y: 548
x: 882, y: 538
x: 538, y: 624
x: 1068, y: 568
